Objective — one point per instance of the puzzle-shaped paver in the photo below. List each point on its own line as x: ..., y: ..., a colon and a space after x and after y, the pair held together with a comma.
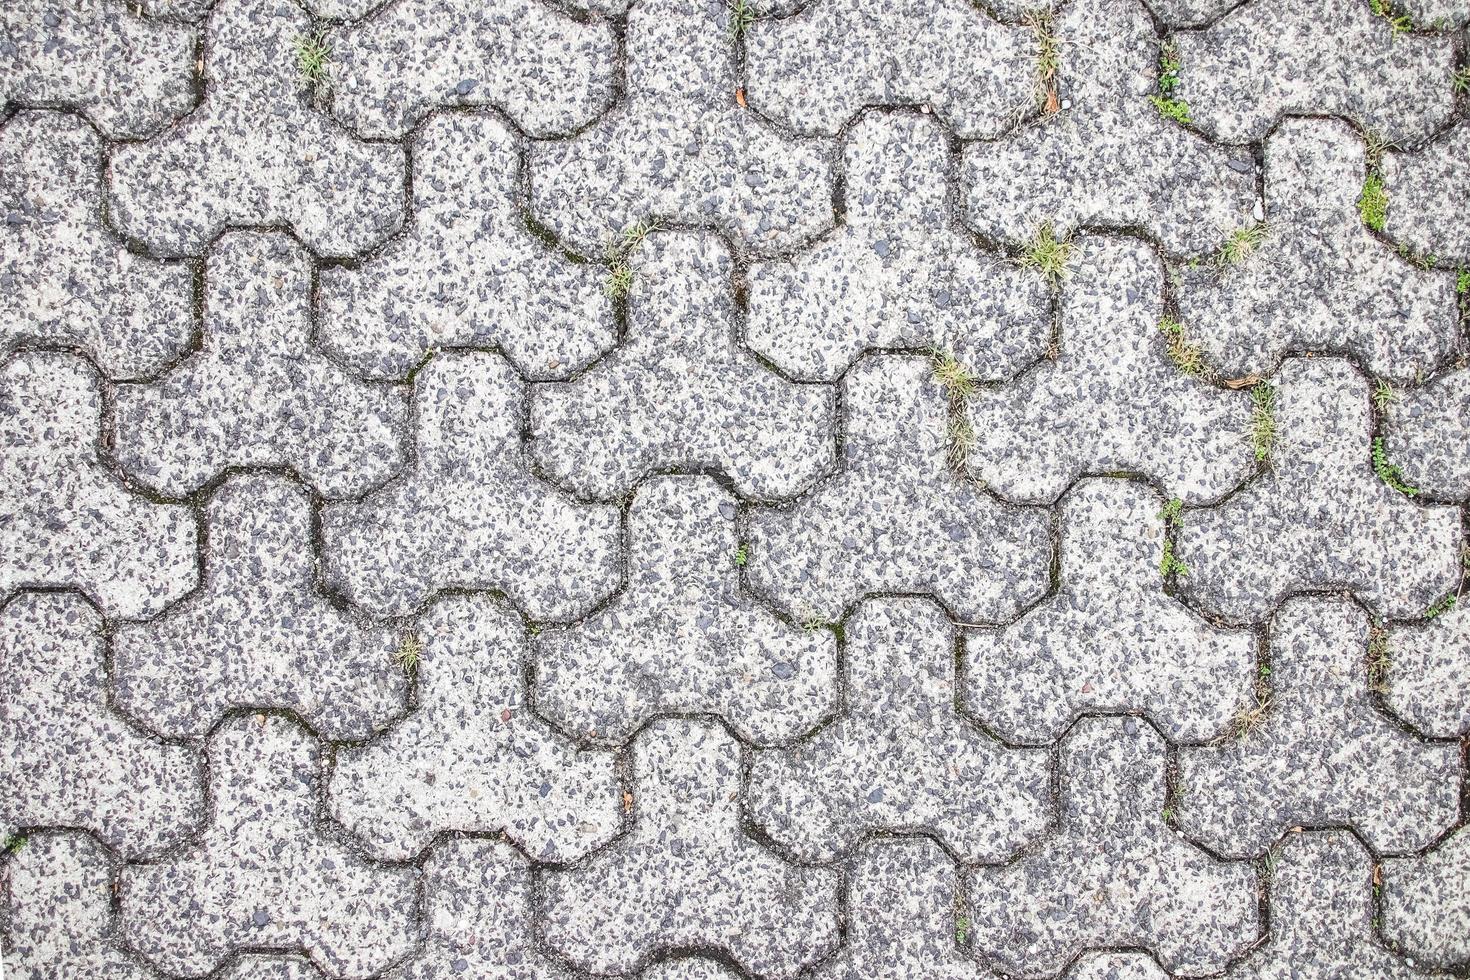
x: 906, y: 907
x: 897, y: 273
x: 815, y: 70
x: 1426, y: 680
x: 1397, y: 318
x: 59, y: 922
x: 1109, y: 639
x: 1321, y: 893
x: 1108, y: 159
x: 895, y: 518
x: 688, y: 876
x: 679, y: 146
x: 681, y: 392
x: 63, y: 278
x: 1319, y: 518
x: 68, y: 760
x: 258, y: 393
x: 1426, y: 906
x: 257, y: 152
x: 1428, y: 197
x: 128, y: 74
x: 1111, y: 400
x: 682, y: 637
x: 471, y: 756
x: 65, y: 520
x: 467, y: 271
x: 901, y: 757
x: 265, y: 873
x: 258, y: 634
x: 1425, y: 431
x: 1264, y: 60
x: 1116, y: 966
x: 467, y: 513
x: 1115, y: 874
x: 550, y: 72
x: 1319, y: 753
x: 271, y: 967
x: 689, y: 968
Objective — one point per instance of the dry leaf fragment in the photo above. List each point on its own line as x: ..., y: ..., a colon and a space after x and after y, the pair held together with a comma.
x: 740, y: 97
x: 627, y: 802
x: 1249, y: 381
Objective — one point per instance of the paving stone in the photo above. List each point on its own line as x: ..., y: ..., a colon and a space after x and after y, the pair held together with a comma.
x: 901, y: 757
x: 1396, y: 318
x: 1320, y: 754
x: 682, y: 637
x: 1264, y: 60
x: 63, y: 278
x: 905, y: 906
x: 687, y: 876
x: 258, y: 634
x: 59, y: 922
x: 467, y: 513
x: 65, y: 520
x: 1116, y: 966
x: 550, y: 72
x: 1425, y: 682
x: 1109, y: 159
x: 816, y: 69
x: 471, y: 756
x: 1111, y: 400
x: 263, y: 967
x: 1109, y: 639
x: 896, y: 273
x: 1114, y: 875
x: 478, y: 922
x: 263, y: 874
x: 679, y: 146
x: 895, y: 518
x: 256, y: 152
x: 68, y: 761
x: 1428, y: 199
x: 1321, y: 893
x: 467, y: 272
x: 689, y: 969
x: 1426, y: 908
x: 680, y: 392
x: 129, y: 75
x: 1319, y: 518
x: 1425, y: 430
x: 257, y: 393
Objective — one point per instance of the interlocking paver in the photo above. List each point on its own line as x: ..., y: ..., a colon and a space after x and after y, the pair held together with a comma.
x: 1111, y: 400
x: 1428, y: 203
x: 681, y: 392
x: 1109, y: 639
x: 1108, y: 159
x: 1116, y: 966
x: 680, y: 146
x: 1319, y: 518
x: 1425, y: 430
x: 688, y: 876
x: 257, y: 393
x: 256, y: 151
x: 467, y: 513
x: 682, y: 637
x: 65, y: 519
x: 467, y: 272
x: 472, y: 757
x: 1114, y: 874
x: 901, y: 757
x: 68, y: 759
x: 895, y: 518
x: 1318, y: 753
x: 128, y: 74
x: 1263, y: 60
x: 898, y: 272
x: 1426, y: 907
x: 267, y: 872
x: 1424, y: 679
x: 258, y: 634
x: 63, y: 279
x: 816, y: 69
x: 1318, y: 279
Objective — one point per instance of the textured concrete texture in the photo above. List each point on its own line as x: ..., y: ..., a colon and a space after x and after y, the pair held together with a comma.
x: 734, y: 489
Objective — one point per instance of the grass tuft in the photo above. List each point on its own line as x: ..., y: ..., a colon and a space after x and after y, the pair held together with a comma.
x: 1389, y: 472
x: 1379, y: 659
x: 619, y: 281
x: 1373, y: 202
x: 1047, y: 254
x: 1242, y: 243
x: 1461, y: 80
x: 409, y: 654
x: 961, y: 440
x: 313, y: 59
x: 1263, y: 420
x: 742, y: 15
x: 1384, y: 395
x: 1048, y: 59
x: 1187, y: 356
x: 1246, y: 720
x: 952, y: 376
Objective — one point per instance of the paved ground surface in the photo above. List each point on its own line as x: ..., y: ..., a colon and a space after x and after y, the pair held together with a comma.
x: 849, y: 489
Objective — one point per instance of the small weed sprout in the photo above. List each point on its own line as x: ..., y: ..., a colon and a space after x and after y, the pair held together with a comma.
x: 1048, y: 60
x: 409, y: 654
x: 1169, y: 564
x: 1388, y: 472
x: 952, y: 376
x: 1187, y: 356
x: 13, y: 843
x: 1047, y: 254
x: 1461, y: 80
x: 961, y: 929
x: 1441, y: 606
x: 1397, y: 22
x: 1173, y: 513
x: 742, y: 15
x: 1373, y: 203
x: 1242, y: 243
x: 1246, y: 720
x: 619, y: 281
x: 1175, y: 109
x: 313, y: 59
x: 1263, y: 420
x: 961, y: 440
x: 1169, y: 65
x: 1384, y: 395
x: 742, y: 555
x: 1378, y: 660
x: 1462, y: 282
